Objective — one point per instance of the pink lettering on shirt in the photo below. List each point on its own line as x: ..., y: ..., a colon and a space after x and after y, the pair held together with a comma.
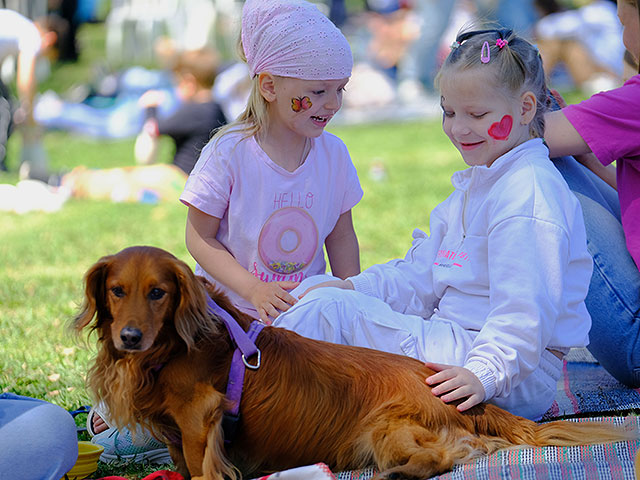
x: 292, y: 199
x: 445, y: 258
x: 276, y: 277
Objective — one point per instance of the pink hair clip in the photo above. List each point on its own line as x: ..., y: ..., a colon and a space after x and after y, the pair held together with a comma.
x: 485, y: 53
x: 501, y: 43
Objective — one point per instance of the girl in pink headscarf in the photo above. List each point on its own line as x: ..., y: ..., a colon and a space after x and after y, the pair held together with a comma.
x: 272, y: 188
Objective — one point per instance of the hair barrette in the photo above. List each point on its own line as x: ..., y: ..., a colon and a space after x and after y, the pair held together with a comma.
x: 455, y: 45
x: 485, y: 53
x: 501, y: 43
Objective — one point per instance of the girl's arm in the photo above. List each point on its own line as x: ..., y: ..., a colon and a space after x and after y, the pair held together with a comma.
x: 563, y: 139
x: 342, y: 248
x: 269, y: 298
x: 26, y: 84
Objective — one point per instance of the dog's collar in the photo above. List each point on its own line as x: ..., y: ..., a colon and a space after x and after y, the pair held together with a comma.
x: 245, y: 349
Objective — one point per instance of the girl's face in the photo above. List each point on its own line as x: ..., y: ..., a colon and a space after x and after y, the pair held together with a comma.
x: 305, y: 107
x: 628, y: 15
x: 483, y: 122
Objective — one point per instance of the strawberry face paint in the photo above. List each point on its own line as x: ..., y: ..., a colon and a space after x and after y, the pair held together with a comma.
x: 300, y: 103
x: 501, y: 130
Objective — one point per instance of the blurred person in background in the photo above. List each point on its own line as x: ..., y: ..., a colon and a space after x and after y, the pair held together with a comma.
x: 26, y: 40
x: 196, y: 118
x: 436, y: 22
x: 586, y: 40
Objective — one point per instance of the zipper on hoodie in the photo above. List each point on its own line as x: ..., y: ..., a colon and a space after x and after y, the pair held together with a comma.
x: 464, y: 206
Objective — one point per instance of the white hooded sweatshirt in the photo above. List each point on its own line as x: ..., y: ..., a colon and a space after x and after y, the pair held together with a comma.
x: 506, y: 257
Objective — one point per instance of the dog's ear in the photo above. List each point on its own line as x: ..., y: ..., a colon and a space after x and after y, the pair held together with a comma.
x: 94, y: 304
x: 191, y: 310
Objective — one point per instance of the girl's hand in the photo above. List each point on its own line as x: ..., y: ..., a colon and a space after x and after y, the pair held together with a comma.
x: 344, y: 284
x: 455, y: 383
x: 272, y: 298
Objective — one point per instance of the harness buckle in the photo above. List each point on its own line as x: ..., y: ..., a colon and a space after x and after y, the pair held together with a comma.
x: 248, y: 365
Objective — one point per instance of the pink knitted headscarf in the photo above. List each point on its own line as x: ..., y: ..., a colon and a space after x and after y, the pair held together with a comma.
x: 292, y: 38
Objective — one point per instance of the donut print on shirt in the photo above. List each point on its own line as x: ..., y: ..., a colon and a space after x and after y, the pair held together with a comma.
x: 288, y: 240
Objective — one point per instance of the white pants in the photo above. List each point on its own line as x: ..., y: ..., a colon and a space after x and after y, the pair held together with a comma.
x: 353, y: 318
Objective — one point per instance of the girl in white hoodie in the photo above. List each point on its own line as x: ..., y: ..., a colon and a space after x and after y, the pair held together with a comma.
x: 494, y: 296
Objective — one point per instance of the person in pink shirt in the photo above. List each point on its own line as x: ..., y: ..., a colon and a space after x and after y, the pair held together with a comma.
x: 270, y: 190
x: 602, y: 130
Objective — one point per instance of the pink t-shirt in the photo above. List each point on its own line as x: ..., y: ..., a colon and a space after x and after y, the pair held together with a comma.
x: 274, y: 222
x: 610, y: 124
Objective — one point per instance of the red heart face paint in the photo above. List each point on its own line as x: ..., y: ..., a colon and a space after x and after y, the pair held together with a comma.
x: 301, y: 103
x: 501, y: 130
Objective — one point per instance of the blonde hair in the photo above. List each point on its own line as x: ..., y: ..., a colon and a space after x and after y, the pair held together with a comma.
x: 255, y: 117
x: 517, y: 66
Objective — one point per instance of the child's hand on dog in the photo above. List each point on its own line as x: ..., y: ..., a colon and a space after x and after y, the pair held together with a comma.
x: 455, y: 383
x: 272, y: 298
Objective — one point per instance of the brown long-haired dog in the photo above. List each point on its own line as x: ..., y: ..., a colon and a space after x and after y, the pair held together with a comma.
x: 163, y: 362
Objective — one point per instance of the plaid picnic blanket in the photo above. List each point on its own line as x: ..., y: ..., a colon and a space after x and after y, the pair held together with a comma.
x: 587, y: 389
x: 611, y: 461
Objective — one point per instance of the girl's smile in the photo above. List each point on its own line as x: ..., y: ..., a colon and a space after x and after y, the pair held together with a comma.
x: 470, y: 146
x: 321, y: 121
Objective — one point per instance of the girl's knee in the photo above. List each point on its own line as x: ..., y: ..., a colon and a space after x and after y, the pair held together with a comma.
x: 309, y: 282
x: 49, y: 433
x: 306, y: 316
x: 53, y: 423
x: 322, y: 314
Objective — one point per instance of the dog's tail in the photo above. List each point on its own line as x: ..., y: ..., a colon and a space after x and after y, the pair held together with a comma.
x: 567, y: 433
x: 561, y: 433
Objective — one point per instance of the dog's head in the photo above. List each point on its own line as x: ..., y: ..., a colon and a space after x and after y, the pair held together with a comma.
x: 132, y: 295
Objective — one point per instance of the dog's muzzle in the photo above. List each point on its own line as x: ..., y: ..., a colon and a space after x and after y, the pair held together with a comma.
x: 131, y: 338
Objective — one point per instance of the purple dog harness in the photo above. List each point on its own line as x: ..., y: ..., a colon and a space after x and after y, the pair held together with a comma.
x: 245, y: 349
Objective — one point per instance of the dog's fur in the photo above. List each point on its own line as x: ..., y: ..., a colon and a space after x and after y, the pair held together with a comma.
x: 309, y: 401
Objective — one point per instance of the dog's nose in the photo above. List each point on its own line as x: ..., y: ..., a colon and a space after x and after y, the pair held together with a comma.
x: 131, y: 337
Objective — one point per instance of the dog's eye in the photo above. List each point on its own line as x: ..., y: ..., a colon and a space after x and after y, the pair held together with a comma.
x: 117, y: 291
x: 156, y: 294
